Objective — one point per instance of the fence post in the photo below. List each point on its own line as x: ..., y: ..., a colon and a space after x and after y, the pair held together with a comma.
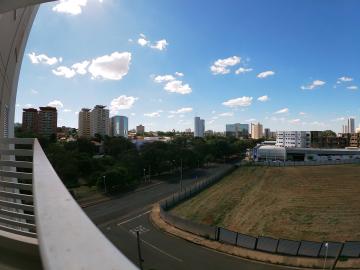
x: 218, y: 233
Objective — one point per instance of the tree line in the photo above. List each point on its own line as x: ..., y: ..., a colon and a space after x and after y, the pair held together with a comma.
x: 123, y: 166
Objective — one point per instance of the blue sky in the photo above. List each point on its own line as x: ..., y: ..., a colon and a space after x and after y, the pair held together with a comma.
x: 290, y: 65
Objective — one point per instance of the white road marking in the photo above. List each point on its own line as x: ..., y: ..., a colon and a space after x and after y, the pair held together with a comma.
x: 131, y: 219
x: 141, y: 229
x: 161, y: 251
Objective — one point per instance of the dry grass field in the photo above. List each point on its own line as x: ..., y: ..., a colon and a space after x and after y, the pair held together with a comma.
x: 301, y: 203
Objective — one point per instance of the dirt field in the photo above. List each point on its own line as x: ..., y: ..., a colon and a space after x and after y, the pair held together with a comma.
x: 301, y: 203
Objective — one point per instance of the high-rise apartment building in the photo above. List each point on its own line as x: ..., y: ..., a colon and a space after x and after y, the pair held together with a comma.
x: 119, y: 126
x: 47, y: 121
x: 199, y: 127
x: 84, y: 123
x: 99, y: 121
x: 140, y: 129
x: 237, y: 130
x: 267, y: 133
x: 300, y: 139
x: 257, y: 131
x: 351, y: 125
x: 30, y: 120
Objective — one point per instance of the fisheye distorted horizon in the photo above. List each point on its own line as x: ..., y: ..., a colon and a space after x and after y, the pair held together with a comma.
x: 291, y: 65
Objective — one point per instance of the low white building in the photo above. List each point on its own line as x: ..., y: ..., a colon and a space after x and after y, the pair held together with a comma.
x: 293, y: 139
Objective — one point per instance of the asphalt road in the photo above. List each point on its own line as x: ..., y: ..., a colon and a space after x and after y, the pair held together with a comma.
x: 119, y: 219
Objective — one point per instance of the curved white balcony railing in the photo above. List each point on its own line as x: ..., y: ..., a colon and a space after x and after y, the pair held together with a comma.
x: 36, y: 205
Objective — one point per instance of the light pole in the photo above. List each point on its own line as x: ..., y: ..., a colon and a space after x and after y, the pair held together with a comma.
x: 104, y: 178
x: 326, y: 253
x: 144, y: 175
x: 141, y: 260
x: 149, y: 173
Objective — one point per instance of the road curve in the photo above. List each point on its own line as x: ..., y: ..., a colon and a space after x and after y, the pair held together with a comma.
x: 118, y: 219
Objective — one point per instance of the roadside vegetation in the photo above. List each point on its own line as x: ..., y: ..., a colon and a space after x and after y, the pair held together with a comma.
x: 122, y: 167
x: 319, y: 203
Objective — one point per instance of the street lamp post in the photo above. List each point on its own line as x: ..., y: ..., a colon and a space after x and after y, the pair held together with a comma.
x: 104, y: 178
x: 326, y: 253
x: 144, y: 175
x: 141, y: 260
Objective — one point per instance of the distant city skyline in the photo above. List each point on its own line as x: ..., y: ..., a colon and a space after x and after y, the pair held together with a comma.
x: 289, y: 68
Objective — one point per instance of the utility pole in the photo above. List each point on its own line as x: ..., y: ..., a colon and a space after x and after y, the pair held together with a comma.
x: 141, y: 260
x: 104, y: 178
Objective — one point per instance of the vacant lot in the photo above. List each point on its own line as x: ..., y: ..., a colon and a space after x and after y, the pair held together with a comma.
x: 308, y: 203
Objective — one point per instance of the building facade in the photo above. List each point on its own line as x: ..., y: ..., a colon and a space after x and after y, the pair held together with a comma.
x: 199, y: 127
x: 257, y: 131
x: 119, y: 126
x: 99, y: 121
x: 140, y: 129
x: 293, y: 139
x: 47, y: 124
x: 84, y: 123
x: 30, y: 120
x: 351, y: 125
x: 237, y: 130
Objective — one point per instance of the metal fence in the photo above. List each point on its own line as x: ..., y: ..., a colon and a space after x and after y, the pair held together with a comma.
x: 305, y: 163
x: 349, y: 249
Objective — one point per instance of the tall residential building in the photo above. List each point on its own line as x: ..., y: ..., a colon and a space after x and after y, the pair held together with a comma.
x: 119, y: 126
x: 99, y: 121
x: 257, y: 131
x: 47, y: 124
x: 351, y: 125
x: 345, y: 129
x: 30, y: 120
x: 199, y: 127
x: 300, y: 139
x: 140, y: 129
x: 237, y: 130
x: 267, y: 133
x: 84, y: 123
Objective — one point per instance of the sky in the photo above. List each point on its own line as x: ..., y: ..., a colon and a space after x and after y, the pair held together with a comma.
x: 290, y: 65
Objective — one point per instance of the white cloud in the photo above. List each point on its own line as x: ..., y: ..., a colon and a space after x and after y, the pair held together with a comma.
x: 285, y: 110
x: 178, y: 87
x: 243, y: 70
x: 338, y: 119
x: 34, y: 92
x: 28, y: 105
x: 265, y: 74
x: 179, y: 74
x: 173, y: 85
x: 345, y: 79
x: 220, y: 66
x: 73, y: 7
x: 153, y: 114
x: 67, y: 110
x: 250, y: 120
x: 64, y: 72
x: 110, y: 67
x: 43, y: 59
x: 122, y: 102
x: 142, y: 41
x: 163, y: 78
x: 160, y: 45
x: 263, y: 98
x: 238, y: 102
x: 352, y: 87
x: 313, y: 85
x: 157, y: 45
x: 80, y: 68
x: 302, y: 113
x: 226, y: 114
x: 56, y: 103
x: 171, y: 116
x: 183, y: 110
x: 295, y: 121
